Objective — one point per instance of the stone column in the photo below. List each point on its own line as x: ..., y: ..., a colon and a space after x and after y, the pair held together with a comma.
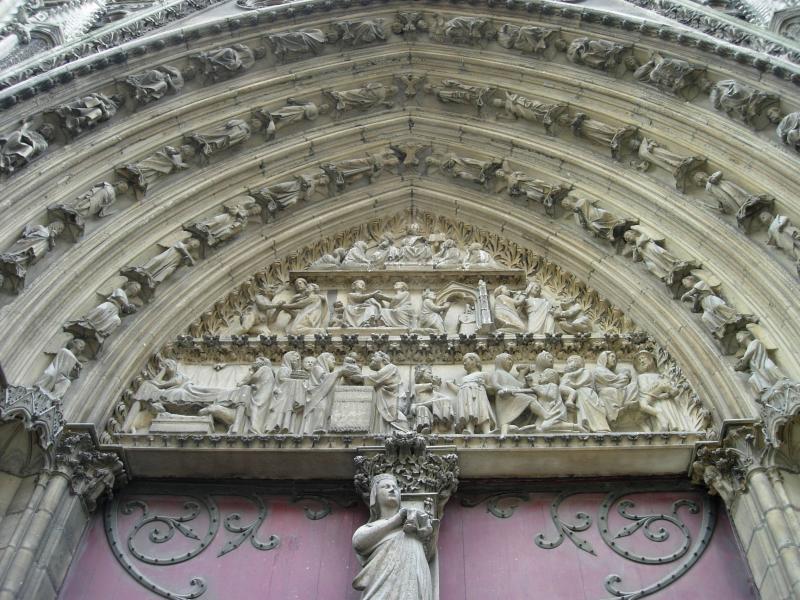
x: 759, y: 482
x: 50, y: 483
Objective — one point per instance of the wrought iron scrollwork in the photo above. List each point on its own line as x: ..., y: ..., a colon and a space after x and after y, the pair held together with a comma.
x: 161, y: 528
x: 583, y: 522
x: 325, y: 505
x: 501, y: 506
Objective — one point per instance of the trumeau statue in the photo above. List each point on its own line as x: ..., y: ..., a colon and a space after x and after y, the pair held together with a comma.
x: 527, y: 39
x: 85, y: 113
x: 32, y: 245
x: 96, y: 202
x: 755, y: 107
x: 394, y: 547
x: 230, y: 134
x: 309, y: 41
x: 596, y: 54
x: 154, y: 84
x: 141, y: 175
x: 295, y: 111
x: 516, y: 106
x: 20, y: 147
x: 366, y: 97
x: 225, y: 62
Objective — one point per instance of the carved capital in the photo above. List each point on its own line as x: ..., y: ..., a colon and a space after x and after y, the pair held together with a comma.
x: 38, y: 412
x: 420, y: 471
x: 780, y: 404
x: 92, y: 473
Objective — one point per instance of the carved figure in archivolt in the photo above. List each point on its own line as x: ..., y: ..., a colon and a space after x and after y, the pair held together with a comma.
x: 141, y: 175
x: 295, y: 111
x: 733, y: 199
x: 672, y: 75
x: 521, y: 184
x: 591, y: 410
x: 162, y: 266
x: 755, y: 107
x: 782, y: 234
x: 517, y: 106
x: 473, y: 412
x: 412, y: 83
x: 230, y: 134
x: 224, y: 62
x: 719, y: 318
x: 597, y: 132
x: 764, y: 373
x: 358, y: 33
x: 598, y: 221
x: 309, y: 41
x: 596, y: 54
x: 103, y: 320
x: 308, y: 309
x: 681, y: 167
x: 363, y: 307
x: 409, y: 23
x: 366, y: 97
x: 453, y: 91
x: 642, y: 247
x: 370, y: 167
x: 65, y: 367
x: 34, y: 242
x: 394, y: 547
x: 288, y: 193
x: 788, y: 130
x: 154, y: 84
x: 226, y: 225
x: 86, y: 113
x: 96, y: 202
x: 431, y: 407
x: 526, y: 38
x: 469, y: 169
x: 460, y: 30
x: 20, y: 147
x: 286, y: 410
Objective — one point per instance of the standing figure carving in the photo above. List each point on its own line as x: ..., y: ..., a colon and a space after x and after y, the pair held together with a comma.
x: 755, y: 107
x: 538, y: 310
x: 96, y: 202
x: 732, y: 199
x: 286, y: 410
x: 232, y: 133
x: 226, y: 225
x: 388, y: 415
x: 156, y: 270
x: 101, y: 321
x: 616, y: 389
x: 719, y: 317
x: 323, y: 376
x: 295, y: 111
x: 261, y: 380
x: 782, y: 234
x: 507, y: 305
x: 681, y: 167
x: 366, y: 97
x: 764, y: 373
x: 32, y: 245
x: 641, y: 247
x: 394, y: 547
x: 432, y: 314
x: 399, y: 310
x: 599, y: 222
x: 591, y: 410
x: 85, y: 113
x: 226, y: 62
x: 288, y: 193
x: 432, y: 409
x: 614, y: 138
x: 472, y: 409
x: 655, y: 393
x: 512, y: 399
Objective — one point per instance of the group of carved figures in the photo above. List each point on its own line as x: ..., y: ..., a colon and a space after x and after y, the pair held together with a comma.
x: 298, y: 397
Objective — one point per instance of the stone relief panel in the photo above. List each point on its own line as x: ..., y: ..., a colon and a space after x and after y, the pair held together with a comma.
x: 430, y: 326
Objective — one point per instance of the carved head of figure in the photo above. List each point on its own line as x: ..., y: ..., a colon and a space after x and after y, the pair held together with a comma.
x: 535, y: 289
x: 327, y: 361
x: 700, y: 178
x: 308, y: 363
x: 170, y: 367
x: 645, y: 362
x: 423, y: 374
x: 261, y: 361
x: 300, y: 285
x: 384, y: 497
x: 501, y: 290
x: 574, y: 363
x: 429, y: 294
x: 544, y: 360
x: 472, y: 362
x: 504, y: 362
x: 400, y: 286
x: 359, y: 285
x: 607, y: 359
x: 765, y: 218
x: 56, y: 228
x: 313, y: 288
x: 413, y: 229
x: 378, y: 360
x: 291, y: 360
x: 548, y: 376
x: 76, y: 346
